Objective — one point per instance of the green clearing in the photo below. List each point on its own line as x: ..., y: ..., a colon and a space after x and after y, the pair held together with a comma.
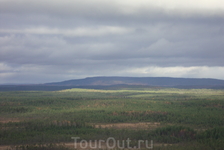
x: 188, y: 118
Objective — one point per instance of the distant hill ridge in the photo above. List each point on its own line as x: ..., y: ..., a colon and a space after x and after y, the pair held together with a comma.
x: 120, y: 82
x: 148, y: 81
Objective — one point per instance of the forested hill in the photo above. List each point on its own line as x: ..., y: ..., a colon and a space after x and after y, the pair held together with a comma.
x: 147, y: 81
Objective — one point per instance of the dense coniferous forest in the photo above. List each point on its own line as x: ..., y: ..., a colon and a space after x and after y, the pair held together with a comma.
x: 172, y: 118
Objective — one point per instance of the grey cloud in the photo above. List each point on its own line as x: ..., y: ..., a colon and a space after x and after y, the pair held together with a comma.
x: 77, y: 39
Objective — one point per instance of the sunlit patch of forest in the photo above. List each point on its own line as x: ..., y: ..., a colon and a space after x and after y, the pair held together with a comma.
x: 178, y: 119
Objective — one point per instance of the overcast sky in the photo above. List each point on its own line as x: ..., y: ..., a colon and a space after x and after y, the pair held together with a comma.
x: 55, y: 40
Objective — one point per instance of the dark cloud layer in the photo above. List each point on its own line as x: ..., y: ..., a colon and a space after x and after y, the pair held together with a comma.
x: 57, y: 40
